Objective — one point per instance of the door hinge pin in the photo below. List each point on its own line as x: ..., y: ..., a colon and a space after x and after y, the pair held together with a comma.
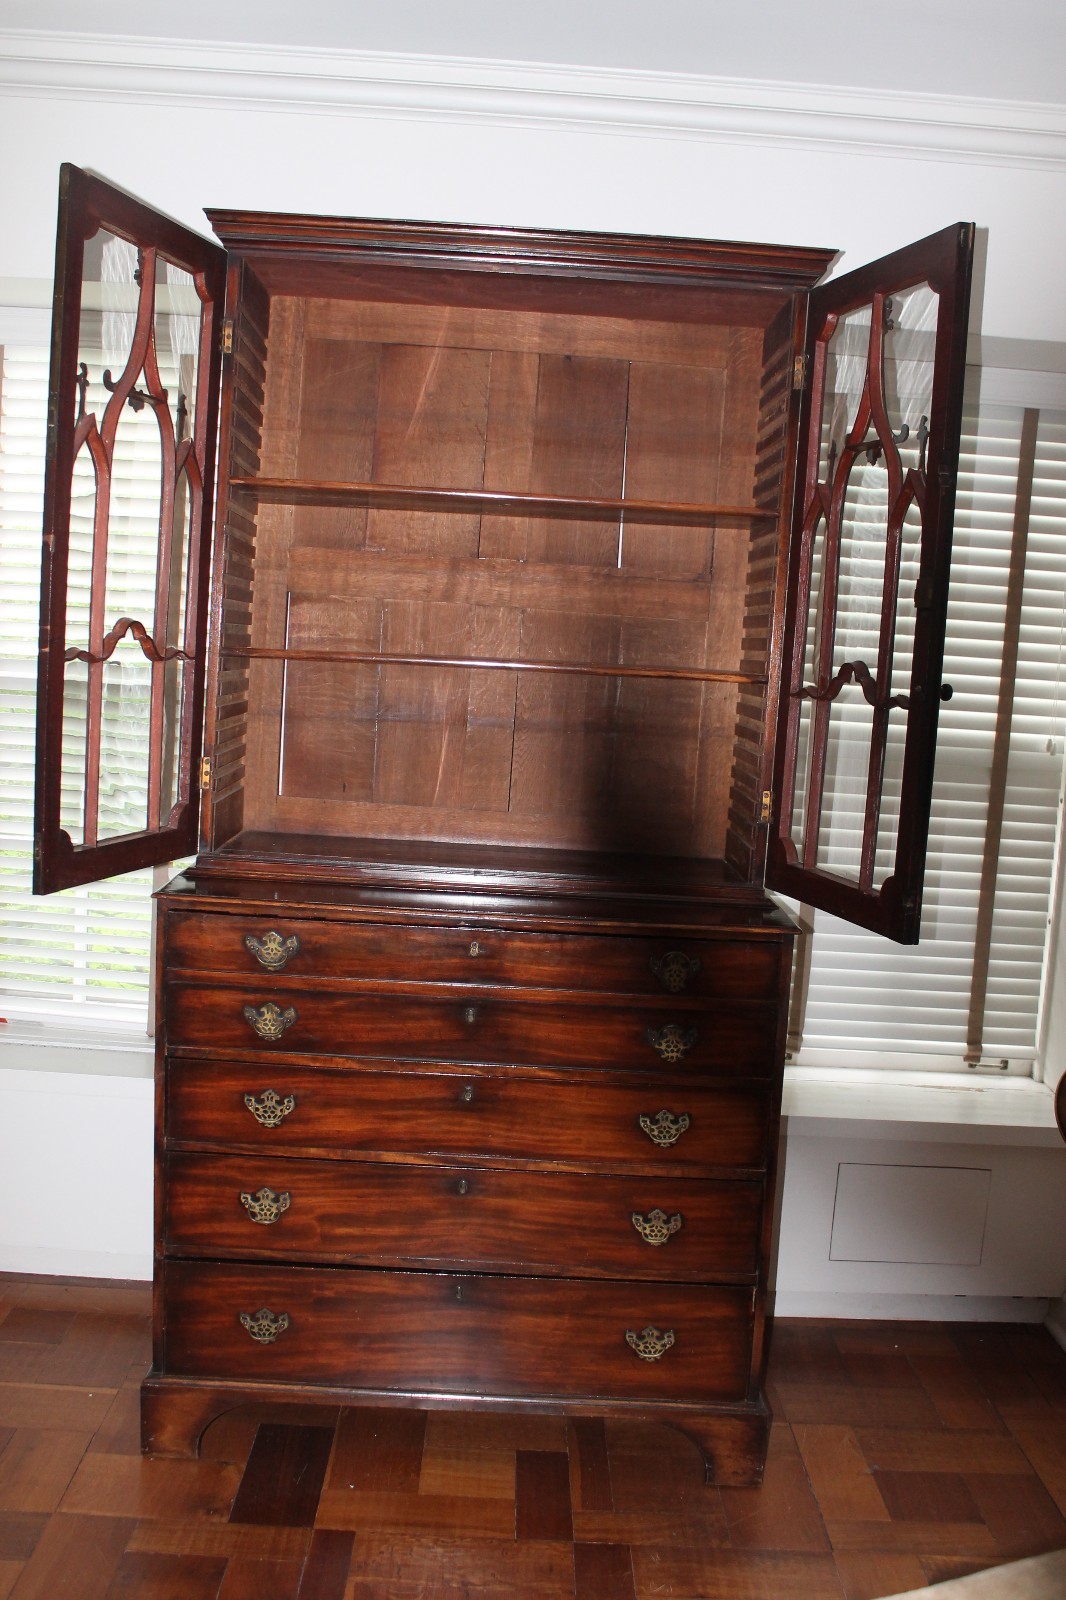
x: 799, y: 372
x: 227, y: 336
x: 205, y: 772
x: 764, y: 808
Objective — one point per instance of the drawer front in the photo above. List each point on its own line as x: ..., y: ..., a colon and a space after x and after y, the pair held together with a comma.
x: 280, y: 1107
x: 468, y: 1335
x: 721, y: 1038
x: 734, y: 968
x: 453, y: 1217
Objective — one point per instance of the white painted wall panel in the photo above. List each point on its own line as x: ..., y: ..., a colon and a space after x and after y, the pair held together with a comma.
x: 75, y: 1174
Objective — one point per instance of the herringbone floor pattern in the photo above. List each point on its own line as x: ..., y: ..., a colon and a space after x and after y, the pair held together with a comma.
x: 902, y: 1454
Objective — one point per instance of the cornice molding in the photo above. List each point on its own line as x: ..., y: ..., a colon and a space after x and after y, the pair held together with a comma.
x: 600, y: 100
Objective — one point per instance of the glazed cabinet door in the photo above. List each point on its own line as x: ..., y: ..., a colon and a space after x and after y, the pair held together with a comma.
x: 863, y: 641
x: 129, y: 483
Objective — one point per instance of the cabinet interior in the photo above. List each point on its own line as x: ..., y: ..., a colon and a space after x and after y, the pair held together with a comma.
x: 575, y: 481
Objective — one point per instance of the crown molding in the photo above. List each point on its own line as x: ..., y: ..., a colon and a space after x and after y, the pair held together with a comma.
x: 600, y: 100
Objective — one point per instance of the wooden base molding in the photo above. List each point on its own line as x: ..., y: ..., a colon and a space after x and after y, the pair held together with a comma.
x: 176, y: 1413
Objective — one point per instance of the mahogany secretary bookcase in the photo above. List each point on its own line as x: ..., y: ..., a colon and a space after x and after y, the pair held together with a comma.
x: 566, y: 591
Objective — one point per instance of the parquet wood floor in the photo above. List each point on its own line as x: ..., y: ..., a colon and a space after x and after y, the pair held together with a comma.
x: 901, y: 1455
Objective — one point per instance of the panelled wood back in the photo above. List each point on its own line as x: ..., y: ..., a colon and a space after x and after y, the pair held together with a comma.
x: 546, y: 405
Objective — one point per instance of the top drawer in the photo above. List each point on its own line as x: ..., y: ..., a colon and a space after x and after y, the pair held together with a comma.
x: 733, y: 968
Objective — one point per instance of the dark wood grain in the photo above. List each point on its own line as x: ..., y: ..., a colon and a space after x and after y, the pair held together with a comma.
x: 283, y: 1476
x: 467, y: 1217
x: 542, y: 1496
x: 603, y: 1572
x: 739, y: 1040
x: 346, y: 954
x: 504, y: 1116
x: 325, y: 1572
x: 590, y: 1465
x: 380, y: 1450
x: 457, y: 1334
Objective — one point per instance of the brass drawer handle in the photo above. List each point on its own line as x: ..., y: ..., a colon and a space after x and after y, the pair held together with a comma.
x: 269, y: 1021
x: 655, y: 1228
x: 263, y: 1325
x: 673, y: 1042
x: 265, y: 1206
x: 269, y: 1108
x: 664, y: 1129
x: 674, y: 969
x: 650, y: 1344
x: 272, y: 951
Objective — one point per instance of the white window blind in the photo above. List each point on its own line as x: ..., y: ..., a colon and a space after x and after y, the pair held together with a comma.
x: 867, y: 1002
x: 82, y: 956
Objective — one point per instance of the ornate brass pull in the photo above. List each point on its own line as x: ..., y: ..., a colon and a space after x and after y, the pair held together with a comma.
x: 269, y: 1108
x: 265, y: 1206
x: 264, y: 1326
x: 664, y: 1129
x: 674, y: 969
x: 650, y: 1344
x: 655, y: 1228
x: 269, y: 1021
x: 672, y: 1042
x: 272, y: 951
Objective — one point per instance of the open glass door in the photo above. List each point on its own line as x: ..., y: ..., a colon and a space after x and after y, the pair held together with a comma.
x: 133, y: 405
x: 863, y: 641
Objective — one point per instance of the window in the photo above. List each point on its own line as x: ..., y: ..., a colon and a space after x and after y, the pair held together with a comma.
x: 969, y: 994
x: 81, y: 956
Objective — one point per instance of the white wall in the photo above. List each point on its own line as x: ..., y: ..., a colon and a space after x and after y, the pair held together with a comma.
x: 601, y: 143
x: 185, y: 126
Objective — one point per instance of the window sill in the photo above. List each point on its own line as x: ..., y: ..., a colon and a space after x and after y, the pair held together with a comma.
x: 824, y: 1102
x: 90, y: 1052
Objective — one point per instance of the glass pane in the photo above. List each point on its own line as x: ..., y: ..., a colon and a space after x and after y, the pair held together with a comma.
x: 902, y: 662
x: 138, y: 356
x: 874, y: 414
x: 845, y: 377
x: 847, y: 768
x: 72, y: 783
x: 177, y: 343
x: 806, y: 706
x: 910, y: 346
x: 124, y: 743
x: 76, y: 672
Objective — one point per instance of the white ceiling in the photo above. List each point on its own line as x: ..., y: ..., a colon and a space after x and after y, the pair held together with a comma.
x: 988, y: 49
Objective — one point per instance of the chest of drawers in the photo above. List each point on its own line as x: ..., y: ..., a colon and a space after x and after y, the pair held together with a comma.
x: 422, y: 1162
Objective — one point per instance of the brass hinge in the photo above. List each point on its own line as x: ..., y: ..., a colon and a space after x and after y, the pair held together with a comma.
x: 227, y: 336
x: 205, y: 772
x: 799, y: 372
x: 764, y: 808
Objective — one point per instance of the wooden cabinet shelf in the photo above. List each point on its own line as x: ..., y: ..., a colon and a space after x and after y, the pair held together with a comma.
x: 596, y: 669
x: 396, y: 496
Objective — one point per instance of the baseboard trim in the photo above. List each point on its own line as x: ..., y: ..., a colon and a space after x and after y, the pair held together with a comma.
x: 1055, y: 1321
x: 42, y: 1261
x: 911, y: 1307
